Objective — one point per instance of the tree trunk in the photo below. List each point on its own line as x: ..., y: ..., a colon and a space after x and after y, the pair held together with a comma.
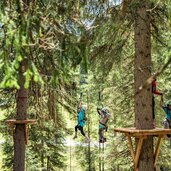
x: 143, y: 101
x: 19, y: 135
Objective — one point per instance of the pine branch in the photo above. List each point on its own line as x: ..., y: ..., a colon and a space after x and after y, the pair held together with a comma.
x: 150, y: 79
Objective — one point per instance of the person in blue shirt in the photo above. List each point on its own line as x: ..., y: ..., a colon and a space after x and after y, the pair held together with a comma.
x: 81, y: 121
x: 167, y: 110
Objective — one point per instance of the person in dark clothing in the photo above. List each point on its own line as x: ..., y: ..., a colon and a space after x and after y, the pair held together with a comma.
x: 154, y: 92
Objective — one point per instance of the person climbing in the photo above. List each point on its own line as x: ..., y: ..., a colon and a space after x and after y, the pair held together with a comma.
x: 104, y: 117
x: 81, y: 121
x: 154, y: 92
x: 154, y: 88
x: 167, y: 121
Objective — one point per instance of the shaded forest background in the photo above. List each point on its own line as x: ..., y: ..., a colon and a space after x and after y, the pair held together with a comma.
x: 73, y: 47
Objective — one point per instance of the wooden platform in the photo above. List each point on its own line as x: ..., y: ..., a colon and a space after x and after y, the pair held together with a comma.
x: 27, y: 122
x: 15, y: 122
x: 152, y: 132
x: 141, y: 135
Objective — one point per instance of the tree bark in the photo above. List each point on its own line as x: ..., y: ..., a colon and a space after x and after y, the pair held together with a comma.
x: 22, y: 97
x: 19, y: 135
x: 143, y: 101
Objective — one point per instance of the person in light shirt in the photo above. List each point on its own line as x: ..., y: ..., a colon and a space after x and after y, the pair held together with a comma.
x: 104, y: 117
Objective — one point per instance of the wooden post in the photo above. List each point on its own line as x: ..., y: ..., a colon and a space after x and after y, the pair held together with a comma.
x: 138, y: 152
x: 157, y: 150
x: 131, y: 146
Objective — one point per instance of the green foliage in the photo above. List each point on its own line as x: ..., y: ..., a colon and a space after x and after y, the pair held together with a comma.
x: 67, y: 43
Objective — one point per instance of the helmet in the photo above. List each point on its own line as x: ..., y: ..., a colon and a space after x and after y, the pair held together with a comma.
x: 154, y: 76
x: 169, y: 103
x: 104, y: 110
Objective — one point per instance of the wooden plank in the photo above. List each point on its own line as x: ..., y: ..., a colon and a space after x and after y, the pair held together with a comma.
x: 157, y: 150
x: 13, y: 130
x: 135, y: 132
x: 131, y: 147
x: 138, y: 152
x: 14, y: 122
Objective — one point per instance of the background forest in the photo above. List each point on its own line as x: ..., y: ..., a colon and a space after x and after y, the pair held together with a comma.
x: 74, y: 47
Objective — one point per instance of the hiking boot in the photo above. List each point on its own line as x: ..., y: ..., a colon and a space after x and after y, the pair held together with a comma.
x: 75, y: 137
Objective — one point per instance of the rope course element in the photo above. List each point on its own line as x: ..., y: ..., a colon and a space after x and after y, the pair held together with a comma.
x: 101, y: 146
x: 141, y: 135
x: 12, y: 123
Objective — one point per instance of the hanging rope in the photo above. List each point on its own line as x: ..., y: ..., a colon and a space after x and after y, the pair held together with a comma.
x: 100, y: 149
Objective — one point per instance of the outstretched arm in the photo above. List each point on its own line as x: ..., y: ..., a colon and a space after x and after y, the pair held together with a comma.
x: 155, y: 91
x: 79, y: 106
x: 84, y: 109
x: 161, y: 102
x: 99, y: 112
